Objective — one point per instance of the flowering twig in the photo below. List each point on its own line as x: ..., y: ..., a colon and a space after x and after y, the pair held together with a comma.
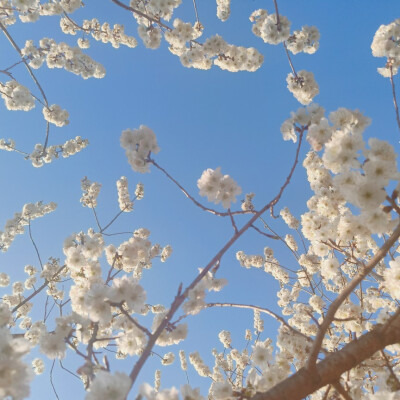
x: 142, y: 14
x: 17, y: 48
x: 38, y: 290
x: 263, y: 310
x: 183, y: 294
x: 186, y: 193
x: 134, y: 322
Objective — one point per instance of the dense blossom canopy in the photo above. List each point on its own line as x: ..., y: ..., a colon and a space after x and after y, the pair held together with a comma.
x: 339, y: 315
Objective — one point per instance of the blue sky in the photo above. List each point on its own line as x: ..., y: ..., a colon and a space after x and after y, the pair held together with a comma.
x: 202, y: 119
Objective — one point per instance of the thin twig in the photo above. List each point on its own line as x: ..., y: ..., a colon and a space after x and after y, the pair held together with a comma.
x: 51, y: 380
x: 263, y: 310
x: 134, y: 10
x: 46, y: 282
x: 290, y: 60
x: 141, y: 327
x: 394, y: 96
x: 34, y: 244
x: 265, y: 234
x: 195, y: 11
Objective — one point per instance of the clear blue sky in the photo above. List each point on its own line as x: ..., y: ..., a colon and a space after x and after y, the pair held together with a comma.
x: 202, y: 119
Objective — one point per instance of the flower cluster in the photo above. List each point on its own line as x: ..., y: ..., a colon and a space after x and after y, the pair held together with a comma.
x: 15, y: 374
x: 124, y: 200
x: 90, y: 192
x: 138, y: 145
x: 109, y: 386
x: 56, y: 115
x: 223, y: 9
x: 386, y: 43
x: 303, y: 86
x: 291, y: 221
x: 16, y: 96
x: 228, y: 57
x: 100, y: 32
x: 305, y: 40
x: 218, y: 188
x: 41, y: 155
x: 181, y: 34
x: 61, y: 55
x: 16, y: 225
x: 267, y: 28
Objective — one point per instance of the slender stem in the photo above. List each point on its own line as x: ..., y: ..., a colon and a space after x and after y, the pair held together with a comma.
x: 394, y: 96
x: 16, y: 47
x: 263, y: 310
x: 38, y: 290
x: 142, y: 14
x: 265, y: 234
x: 278, y: 21
x: 195, y: 11
x: 34, y: 245
x: 51, y: 380
x: 290, y: 60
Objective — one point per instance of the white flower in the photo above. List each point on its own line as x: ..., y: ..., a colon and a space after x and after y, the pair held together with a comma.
x: 221, y: 390
x: 329, y: 268
x: 303, y: 86
x: 188, y: 393
x: 52, y: 345
x: 56, y: 115
x: 392, y: 278
x: 261, y: 355
x: 150, y: 394
x: 128, y: 290
x: 138, y: 144
x: 108, y: 386
x: 218, y: 188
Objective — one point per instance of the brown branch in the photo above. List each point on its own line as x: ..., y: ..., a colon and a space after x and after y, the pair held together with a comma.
x: 304, y: 382
x: 341, y: 390
x: 330, y: 315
